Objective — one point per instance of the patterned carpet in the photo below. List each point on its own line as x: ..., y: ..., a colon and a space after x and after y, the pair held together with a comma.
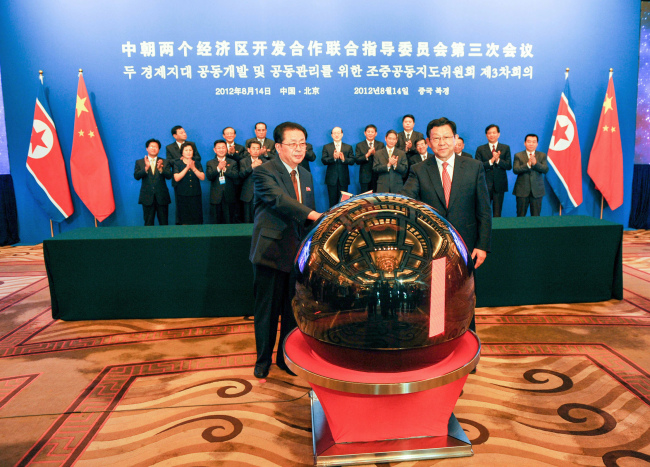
x: 557, y: 384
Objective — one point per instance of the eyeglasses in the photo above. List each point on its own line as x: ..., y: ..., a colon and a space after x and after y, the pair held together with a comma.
x: 438, y: 139
x: 295, y: 146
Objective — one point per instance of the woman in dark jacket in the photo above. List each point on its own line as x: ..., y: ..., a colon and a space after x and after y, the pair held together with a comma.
x: 187, y: 186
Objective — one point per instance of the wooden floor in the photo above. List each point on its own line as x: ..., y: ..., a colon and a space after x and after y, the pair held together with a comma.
x: 564, y: 384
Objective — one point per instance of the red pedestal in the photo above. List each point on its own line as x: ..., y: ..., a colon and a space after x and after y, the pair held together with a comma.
x: 363, y: 406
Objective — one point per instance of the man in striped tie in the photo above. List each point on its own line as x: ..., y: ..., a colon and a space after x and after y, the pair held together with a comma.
x: 455, y: 187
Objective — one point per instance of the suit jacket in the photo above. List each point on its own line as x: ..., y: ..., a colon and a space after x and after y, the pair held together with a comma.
x: 464, y: 154
x: 310, y: 156
x: 154, y: 185
x: 390, y: 181
x: 365, y: 165
x: 269, y: 144
x: 280, y: 220
x: 245, y: 176
x: 417, y: 159
x: 401, y: 141
x: 217, y: 190
x: 469, y: 202
x: 174, y: 152
x: 495, y: 175
x: 337, y: 171
x: 529, y: 181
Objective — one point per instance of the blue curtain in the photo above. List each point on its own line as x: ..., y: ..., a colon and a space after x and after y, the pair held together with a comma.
x: 640, y: 211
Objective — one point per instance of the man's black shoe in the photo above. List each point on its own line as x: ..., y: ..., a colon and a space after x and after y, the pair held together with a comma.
x: 260, y: 372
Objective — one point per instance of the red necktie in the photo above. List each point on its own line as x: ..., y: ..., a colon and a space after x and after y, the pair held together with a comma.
x: 446, y: 182
x: 294, y: 179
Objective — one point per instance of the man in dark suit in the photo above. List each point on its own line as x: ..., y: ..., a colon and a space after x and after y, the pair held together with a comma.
x: 174, y: 149
x: 267, y: 146
x: 459, y: 147
x: 456, y: 188
x: 338, y: 157
x: 422, y: 153
x: 406, y: 139
x: 235, y: 151
x: 496, y: 161
x: 284, y: 204
x: 530, y: 166
x: 223, y: 172
x: 364, y: 155
x: 246, y: 167
x: 390, y: 165
x: 154, y: 194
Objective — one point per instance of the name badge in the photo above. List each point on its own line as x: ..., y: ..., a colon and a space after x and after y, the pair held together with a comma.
x: 222, y: 180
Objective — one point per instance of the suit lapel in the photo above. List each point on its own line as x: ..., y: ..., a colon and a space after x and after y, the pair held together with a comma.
x: 434, y: 175
x: 456, y: 179
x: 286, y: 178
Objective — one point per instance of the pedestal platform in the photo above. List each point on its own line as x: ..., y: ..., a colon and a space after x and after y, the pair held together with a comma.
x: 366, y: 417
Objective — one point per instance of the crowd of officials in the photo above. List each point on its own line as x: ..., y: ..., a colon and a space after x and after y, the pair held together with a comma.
x: 383, y: 167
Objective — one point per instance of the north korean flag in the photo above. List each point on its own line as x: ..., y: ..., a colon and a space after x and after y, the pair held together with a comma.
x: 48, y: 181
x: 564, y: 156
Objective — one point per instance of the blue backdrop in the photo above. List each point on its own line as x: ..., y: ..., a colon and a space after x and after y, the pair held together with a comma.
x: 509, y: 70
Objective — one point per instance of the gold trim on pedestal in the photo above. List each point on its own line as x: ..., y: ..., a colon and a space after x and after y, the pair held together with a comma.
x: 383, y: 388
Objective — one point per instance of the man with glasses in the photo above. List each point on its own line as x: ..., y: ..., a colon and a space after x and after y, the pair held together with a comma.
x: 284, y: 206
x: 456, y: 188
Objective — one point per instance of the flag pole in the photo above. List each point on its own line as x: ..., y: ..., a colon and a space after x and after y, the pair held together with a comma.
x: 566, y: 76
x: 95, y: 222
x: 602, y: 200
x: 51, y: 229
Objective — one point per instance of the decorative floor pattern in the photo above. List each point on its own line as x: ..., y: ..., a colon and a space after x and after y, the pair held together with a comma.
x: 563, y: 384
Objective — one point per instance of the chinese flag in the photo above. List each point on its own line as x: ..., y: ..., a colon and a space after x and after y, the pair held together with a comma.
x: 88, y: 163
x: 606, y: 159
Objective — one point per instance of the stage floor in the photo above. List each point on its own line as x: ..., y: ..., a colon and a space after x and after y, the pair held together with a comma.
x: 562, y: 384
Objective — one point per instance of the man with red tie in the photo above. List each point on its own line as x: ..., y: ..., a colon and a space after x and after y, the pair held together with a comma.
x: 456, y: 188
x: 284, y: 207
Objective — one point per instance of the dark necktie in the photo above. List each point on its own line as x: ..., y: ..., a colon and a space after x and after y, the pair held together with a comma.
x: 294, y: 179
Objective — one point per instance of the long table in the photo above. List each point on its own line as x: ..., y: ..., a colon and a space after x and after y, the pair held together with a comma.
x: 559, y: 259
x: 150, y: 272
x: 196, y: 271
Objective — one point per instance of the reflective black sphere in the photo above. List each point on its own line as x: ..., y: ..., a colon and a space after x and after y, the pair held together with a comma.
x: 383, y: 272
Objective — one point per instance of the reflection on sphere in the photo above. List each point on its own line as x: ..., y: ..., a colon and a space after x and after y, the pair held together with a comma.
x: 383, y: 272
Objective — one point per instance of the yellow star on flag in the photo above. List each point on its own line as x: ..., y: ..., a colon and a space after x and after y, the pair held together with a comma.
x: 608, y: 103
x: 605, y: 128
x: 91, y: 134
x: 81, y: 105
x: 613, y: 129
x: 81, y: 132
